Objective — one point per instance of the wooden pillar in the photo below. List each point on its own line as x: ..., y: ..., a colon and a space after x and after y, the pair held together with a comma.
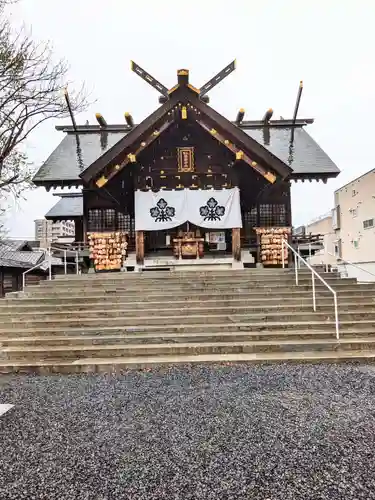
x: 140, y: 247
x: 236, y: 243
x: 78, y: 224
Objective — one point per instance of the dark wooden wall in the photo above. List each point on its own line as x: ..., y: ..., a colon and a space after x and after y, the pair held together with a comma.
x: 158, y: 164
x: 11, y: 279
x: 111, y: 207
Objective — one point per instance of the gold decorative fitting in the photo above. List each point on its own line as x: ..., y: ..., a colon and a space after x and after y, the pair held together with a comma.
x: 117, y: 167
x: 182, y: 72
x: 127, y: 113
x: 143, y: 144
x: 194, y: 186
x: 184, y: 113
x: 179, y: 186
x: 194, y: 89
x: 98, y: 115
x: 175, y: 87
x: 226, y: 142
x: 132, y: 158
x: 239, y: 155
x: 102, y: 181
x: 242, y: 110
x: 301, y: 84
x: 270, y: 177
x: 162, y: 171
x: 156, y: 132
x: 213, y: 131
x: 254, y: 164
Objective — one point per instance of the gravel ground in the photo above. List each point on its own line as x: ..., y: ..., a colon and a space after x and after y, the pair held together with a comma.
x: 209, y: 432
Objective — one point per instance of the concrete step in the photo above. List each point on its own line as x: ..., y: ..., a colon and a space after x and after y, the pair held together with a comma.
x: 178, y: 283
x: 162, y: 329
x: 184, y: 310
x: 292, y: 294
x: 33, y: 353
x: 184, y: 318
x: 118, y: 365
x: 173, y: 278
x: 276, y: 288
x: 110, y: 338
x: 77, y: 304
x: 187, y: 274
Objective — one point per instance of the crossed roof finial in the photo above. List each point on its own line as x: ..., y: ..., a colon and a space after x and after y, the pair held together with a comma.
x: 183, y: 79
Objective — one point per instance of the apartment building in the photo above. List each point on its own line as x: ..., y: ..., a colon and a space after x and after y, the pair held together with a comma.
x: 47, y: 231
x: 354, y: 221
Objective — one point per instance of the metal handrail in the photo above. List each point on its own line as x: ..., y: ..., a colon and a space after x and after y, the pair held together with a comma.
x: 35, y: 267
x: 298, y: 257
x: 350, y: 264
x: 65, y: 250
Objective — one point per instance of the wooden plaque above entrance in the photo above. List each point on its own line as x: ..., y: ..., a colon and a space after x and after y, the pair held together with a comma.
x: 185, y: 157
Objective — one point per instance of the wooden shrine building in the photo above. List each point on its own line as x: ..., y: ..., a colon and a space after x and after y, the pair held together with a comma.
x: 186, y: 181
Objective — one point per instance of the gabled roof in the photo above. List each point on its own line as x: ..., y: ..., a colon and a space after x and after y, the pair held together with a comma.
x: 99, y: 146
x: 10, y: 256
x: 70, y: 206
x: 184, y: 94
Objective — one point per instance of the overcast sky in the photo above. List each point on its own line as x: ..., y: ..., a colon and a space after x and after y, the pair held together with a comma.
x: 329, y: 44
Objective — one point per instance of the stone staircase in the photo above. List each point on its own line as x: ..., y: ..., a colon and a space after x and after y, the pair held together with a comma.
x: 110, y: 322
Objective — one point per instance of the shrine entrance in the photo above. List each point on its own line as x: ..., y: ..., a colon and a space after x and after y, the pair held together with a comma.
x: 188, y: 241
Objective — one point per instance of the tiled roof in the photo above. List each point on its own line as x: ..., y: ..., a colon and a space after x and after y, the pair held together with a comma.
x: 10, y: 244
x: 68, y: 206
x: 15, y: 258
x: 305, y: 157
x: 63, y: 164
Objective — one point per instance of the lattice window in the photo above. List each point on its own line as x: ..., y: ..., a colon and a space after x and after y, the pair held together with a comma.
x: 125, y: 223
x: 265, y: 215
x: 109, y: 219
x: 279, y: 215
x: 249, y: 220
x: 95, y: 220
x: 272, y: 215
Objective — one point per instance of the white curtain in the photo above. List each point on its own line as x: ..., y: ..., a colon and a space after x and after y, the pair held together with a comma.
x: 160, y: 210
x: 215, y: 209
x: 211, y: 209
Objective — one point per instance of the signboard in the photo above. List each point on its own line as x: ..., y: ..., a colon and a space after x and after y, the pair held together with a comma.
x: 185, y: 158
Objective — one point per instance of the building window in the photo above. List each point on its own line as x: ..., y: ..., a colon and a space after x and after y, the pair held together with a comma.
x: 272, y: 215
x: 355, y: 243
x: 367, y: 224
x: 354, y: 212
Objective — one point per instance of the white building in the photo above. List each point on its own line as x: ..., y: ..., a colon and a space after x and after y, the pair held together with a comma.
x: 349, y: 231
x: 47, y: 231
x: 324, y: 226
x: 353, y: 221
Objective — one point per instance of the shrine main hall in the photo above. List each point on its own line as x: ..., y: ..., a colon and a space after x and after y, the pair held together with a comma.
x: 185, y: 186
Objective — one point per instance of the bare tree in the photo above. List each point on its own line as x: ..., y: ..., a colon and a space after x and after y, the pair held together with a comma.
x: 31, y: 92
